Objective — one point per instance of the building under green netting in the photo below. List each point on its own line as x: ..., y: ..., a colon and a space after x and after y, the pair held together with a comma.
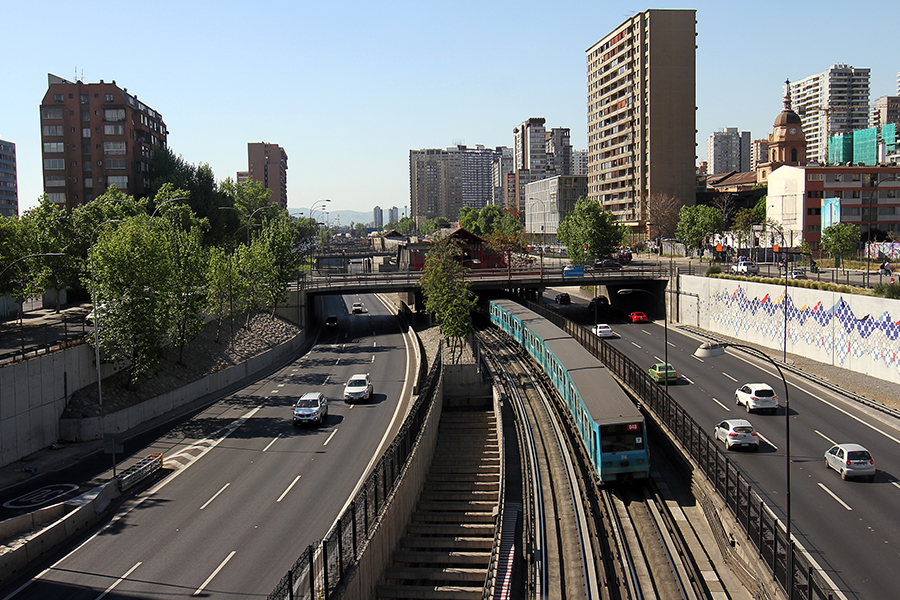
x: 889, y: 136
x: 862, y: 146
x: 865, y: 146
x: 840, y: 149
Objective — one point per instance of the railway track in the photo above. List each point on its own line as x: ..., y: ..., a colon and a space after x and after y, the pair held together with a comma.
x: 585, y: 540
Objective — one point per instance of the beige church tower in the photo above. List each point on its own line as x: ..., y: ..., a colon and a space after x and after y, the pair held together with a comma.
x: 787, y: 144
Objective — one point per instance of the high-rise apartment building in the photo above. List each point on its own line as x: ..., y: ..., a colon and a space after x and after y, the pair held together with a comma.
x: 267, y: 164
x: 579, y: 162
x: 530, y: 145
x: 559, y: 151
x: 501, y: 168
x: 831, y: 102
x: 641, y: 99
x: 9, y: 197
x: 885, y: 110
x: 377, y: 217
x: 393, y: 215
x: 759, y: 153
x: 538, y: 154
x: 95, y: 136
x: 728, y: 150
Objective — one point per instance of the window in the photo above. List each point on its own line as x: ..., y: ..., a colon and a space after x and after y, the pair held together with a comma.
x: 114, y: 130
x: 85, y: 132
x: 816, y: 177
x: 54, y: 164
x: 120, y: 181
x: 85, y: 115
x: 48, y: 112
x: 57, y: 197
x: 52, y: 129
x: 114, y: 114
x: 814, y: 228
x: 57, y: 97
x: 849, y: 211
x: 855, y: 194
x: 115, y: 163
x: 885, y: 210
x: 813, y: 211
x: 54, y: 147
x: 107, y: 97
x: 88, y: 182
x: 114, y: 148
x: 84, y: 98
x: 87, y: 165
x: 54, y: 181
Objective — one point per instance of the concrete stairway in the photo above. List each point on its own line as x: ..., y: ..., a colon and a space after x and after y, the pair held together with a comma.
x: 447, y: 547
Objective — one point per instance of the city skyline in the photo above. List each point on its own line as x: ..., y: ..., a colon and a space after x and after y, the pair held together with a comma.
x: 386, y: 80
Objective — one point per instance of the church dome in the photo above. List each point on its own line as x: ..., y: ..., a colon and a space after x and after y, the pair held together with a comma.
x: 787, y: 117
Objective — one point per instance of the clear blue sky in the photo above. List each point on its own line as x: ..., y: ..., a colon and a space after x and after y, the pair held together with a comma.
x: 348, y: 88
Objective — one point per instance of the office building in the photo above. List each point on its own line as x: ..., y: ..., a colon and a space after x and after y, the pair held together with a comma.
x: 831, y: 102
x: 641, y: 81
x: 377, y: 217
x: 9, y: 197
x: 393, y: 215
x: 268, y: 165
x: 548, y: 201
x: 95, y: 136
x: 728, y: 150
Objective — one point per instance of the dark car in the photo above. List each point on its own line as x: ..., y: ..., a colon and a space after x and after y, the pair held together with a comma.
x: 331, y: 321
x: 599, y: 303
x: 563, y: 299
x: 607, y: 264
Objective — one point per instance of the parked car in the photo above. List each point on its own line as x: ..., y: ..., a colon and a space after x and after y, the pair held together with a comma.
x: 563, y: 299
x: 603, y: 330
x: 737, y: 432
x: 312, y: 407
x: 357, y: 308
x: 662, y: 372
x: 756, y: 396
x: 637, y: 317
x: 798, y: 274
x: 359, y: 387
x: 331, y: 321
x: 850, y: 460
x: 746, y: 267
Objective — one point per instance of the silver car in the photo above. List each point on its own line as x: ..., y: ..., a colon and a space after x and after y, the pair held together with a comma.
x: 757, y: 397
x: 850, y: 460
x: 312, y: 407
x: 737, y: 432
x: 359, y: 387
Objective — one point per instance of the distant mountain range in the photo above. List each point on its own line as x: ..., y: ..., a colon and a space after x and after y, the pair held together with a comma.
x: 340, y: 217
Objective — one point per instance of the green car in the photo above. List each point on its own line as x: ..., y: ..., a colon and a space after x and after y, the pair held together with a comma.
x: 662, y: 371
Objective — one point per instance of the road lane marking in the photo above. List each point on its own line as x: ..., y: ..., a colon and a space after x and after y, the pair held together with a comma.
x: 696, y: 358
x: 274, y: 392
x: 729, y: 376
x: 852, y: 416
x: 635, y: 345
x: 671, y: 344
x: 827, y: 439
x: 373, y: 358
x: 895, y: 484
x: 216, y: 495
x: 833, y: 495
x: 722, y: 405
x: 214, y: 573
x: 332, y: 433
x: 766, y: 440
x: 118, y: 581
x: 645, y: 331
x: 285, y: 492
x: 658, y: 359
x: 272, y: 442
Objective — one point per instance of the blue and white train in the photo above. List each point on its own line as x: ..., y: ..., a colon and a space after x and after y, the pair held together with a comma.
x: 610, y: 425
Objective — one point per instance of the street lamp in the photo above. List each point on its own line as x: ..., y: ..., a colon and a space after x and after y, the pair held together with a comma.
x: 161, y: 204
x: 625, y: 292
x: 249, y: 217
x: 716, y: 349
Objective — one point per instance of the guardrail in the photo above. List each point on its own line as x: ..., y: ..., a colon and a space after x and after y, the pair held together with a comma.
x: 764, y: 530
x: 143, y: 469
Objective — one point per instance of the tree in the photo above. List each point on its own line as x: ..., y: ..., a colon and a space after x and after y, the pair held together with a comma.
x: 188, y: 301
x: 588, y: 231
x: 406, y: 226
x: 840, y: 239
x: 663, y: 212
x: 223, y: 286
x: 447, y: 293
x: 695, y: 223
x: 726, y: 205
x: 432, y: 225
x: 48, y: 229
x: 744, y: 220
x: 277, y: 240
x: 360, y: 230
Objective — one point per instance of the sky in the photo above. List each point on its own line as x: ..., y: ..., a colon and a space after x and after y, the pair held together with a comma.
x: 349, y: 88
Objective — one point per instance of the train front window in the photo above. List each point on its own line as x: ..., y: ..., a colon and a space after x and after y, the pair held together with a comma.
x: 621, y: 437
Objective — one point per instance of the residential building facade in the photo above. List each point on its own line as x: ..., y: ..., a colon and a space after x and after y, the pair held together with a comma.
x: 759, y: 153
x: 501, y: 167
x: 728, y: 150
x: 267, y: 164
x: 9, y: 196
x: 885, y: 110
x: 548, y: 201
x: 579, y: 162
x: 393, y: 215
x: 641, y: 99
x: 377, y: 217
x: 95, y: 136
x: 833, y: 101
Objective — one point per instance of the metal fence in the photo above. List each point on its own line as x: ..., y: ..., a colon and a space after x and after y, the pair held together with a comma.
x: 765, y: 531
x: 321, y: 566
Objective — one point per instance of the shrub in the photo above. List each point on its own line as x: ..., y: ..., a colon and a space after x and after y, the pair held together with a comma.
x: 713, y: 270
x: 888, y: 290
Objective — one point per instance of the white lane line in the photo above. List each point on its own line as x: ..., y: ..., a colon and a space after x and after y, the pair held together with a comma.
x: 671, y: 344
x: 852, y: 416
x: 216, y: 495
x: 274, y: 392
x: 833, y: 495
x: 645, y: 331
x: 895, y: 484
x: 118, y: 581
x: 338, y: 361
x: 729, y: 376
x: 658, y: 359
x: 827, y: 439
x: 697, y: 359
x: 285, y: 492
x: 332, y: 433
x: 373, y: 358
x: 272, y: 442
x: 722, y: 405
x: 766, y: 440
x: 635, y: 345
x: 214, y: 573
x: 687, y: 379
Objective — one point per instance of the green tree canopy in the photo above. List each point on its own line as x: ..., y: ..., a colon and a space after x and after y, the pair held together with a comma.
x: 841, y: 239
x: 696, y: 222
x: 432, y: 225
x: 589, y: 232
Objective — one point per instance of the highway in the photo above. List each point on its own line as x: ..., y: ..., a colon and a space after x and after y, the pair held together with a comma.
x: 849, y: 527
x: 248, y: 491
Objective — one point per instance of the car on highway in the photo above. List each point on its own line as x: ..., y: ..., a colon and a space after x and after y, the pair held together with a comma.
x: 331, y: 321
x: 637, y: 317
x: 662, y: 372
x: 563, y: 298
x: 737, y: 432
x: 607, y: 264
x: 757, y: 397
x: 850, y: 460
x: 359, y: 387
x: 312, y: 407
x: 603, y: 330
x: 357, y: 308
x: 746, y: 267
x: 599, y: 303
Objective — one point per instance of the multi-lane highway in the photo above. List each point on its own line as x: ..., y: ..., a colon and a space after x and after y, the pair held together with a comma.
x: 850, y: 528
x: 249, y: 491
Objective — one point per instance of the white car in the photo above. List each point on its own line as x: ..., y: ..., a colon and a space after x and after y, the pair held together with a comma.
x: 359, y: 387
x: 737, y: 432
x: 850, y: 460
x: 603, y: 330
x: 312, y: 407
x: 747, y: 267
x: 756, y: 396
x: 357, y: 308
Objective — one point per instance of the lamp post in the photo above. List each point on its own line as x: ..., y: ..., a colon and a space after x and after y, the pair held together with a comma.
x: 7, y: 268
x: 627, y: 291
x: 249, y: 217
x: 161, y: 204
x: 716, y: 349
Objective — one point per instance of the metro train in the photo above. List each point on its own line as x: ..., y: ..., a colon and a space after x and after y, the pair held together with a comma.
x: 610, y: 425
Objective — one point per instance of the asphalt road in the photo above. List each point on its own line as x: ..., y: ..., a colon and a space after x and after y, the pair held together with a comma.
x: 849, y: 527
x: 249, y: 491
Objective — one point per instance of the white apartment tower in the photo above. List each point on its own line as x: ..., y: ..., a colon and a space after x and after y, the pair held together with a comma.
x: 377, y: 217
x: 728, y: 150
x: 831, y: 102
x: 641, y: 103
